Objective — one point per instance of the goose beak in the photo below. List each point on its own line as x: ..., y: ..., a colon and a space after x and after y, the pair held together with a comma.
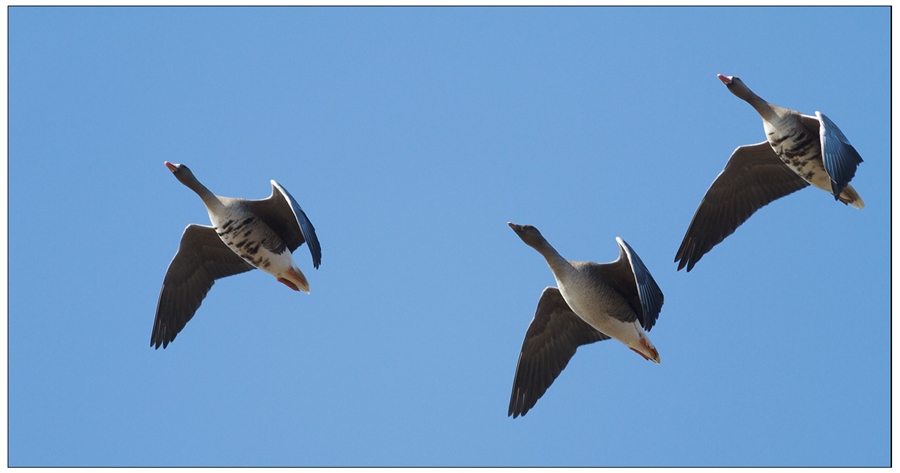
x: 171, y: 166
x: 725, y: 79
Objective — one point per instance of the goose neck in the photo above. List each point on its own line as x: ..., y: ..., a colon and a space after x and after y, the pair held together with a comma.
x: 557, y: 263
x: 762, y: 107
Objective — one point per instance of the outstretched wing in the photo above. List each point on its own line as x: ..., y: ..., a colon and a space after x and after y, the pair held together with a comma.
x: 839, y: 156
x: 550, y: 342
x: 630, y: 278
x: 648, y: 292
x: 202, y: 258
x: 283, y: 215
x: 753, y: 177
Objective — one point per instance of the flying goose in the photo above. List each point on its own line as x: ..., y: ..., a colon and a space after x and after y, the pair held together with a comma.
x: 246, y: 234
x: 790, y: 159
x: 591, y: 302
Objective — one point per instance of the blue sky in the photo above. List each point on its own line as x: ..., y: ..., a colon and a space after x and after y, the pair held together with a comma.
x: 410, y: 136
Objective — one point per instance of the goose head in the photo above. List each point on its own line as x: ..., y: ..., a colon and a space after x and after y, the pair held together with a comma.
x: 186, y: 177
x: 737, y: 87
x: 529, y: 234
x: 181, y: 172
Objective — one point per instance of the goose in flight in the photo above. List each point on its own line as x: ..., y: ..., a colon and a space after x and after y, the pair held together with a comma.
x: 245, y: 234
x: 799, y: 150
x: 591, y: 302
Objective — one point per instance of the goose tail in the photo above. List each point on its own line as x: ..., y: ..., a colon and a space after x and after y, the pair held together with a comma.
x: 851, y: 198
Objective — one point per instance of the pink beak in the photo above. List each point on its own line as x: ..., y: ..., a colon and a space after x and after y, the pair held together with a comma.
x: 725, y: 79
x: 171, y: 166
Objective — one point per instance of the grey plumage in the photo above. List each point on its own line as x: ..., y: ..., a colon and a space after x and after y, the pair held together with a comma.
x: 619, y: 295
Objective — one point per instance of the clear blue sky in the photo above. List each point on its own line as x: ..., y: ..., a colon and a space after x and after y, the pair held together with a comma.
x: 410, y: 137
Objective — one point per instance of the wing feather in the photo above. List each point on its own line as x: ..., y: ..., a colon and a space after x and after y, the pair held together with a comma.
x: 281, y: 212
x: 202, y: 258
x: 839, y: 156
x: 753, y: 177
x: 551, y: 340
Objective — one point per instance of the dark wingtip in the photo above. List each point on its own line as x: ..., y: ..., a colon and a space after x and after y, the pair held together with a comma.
x: 683, y: 258
x: 517, y: 405
x: 691, y: 263
x: 685, y: 262
x: 682, y: 261
x: 316, y: 251
x: 157, y: 340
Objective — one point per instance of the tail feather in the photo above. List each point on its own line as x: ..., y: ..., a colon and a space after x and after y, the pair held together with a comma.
x: 298, y: 279
x: 850, y: 197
